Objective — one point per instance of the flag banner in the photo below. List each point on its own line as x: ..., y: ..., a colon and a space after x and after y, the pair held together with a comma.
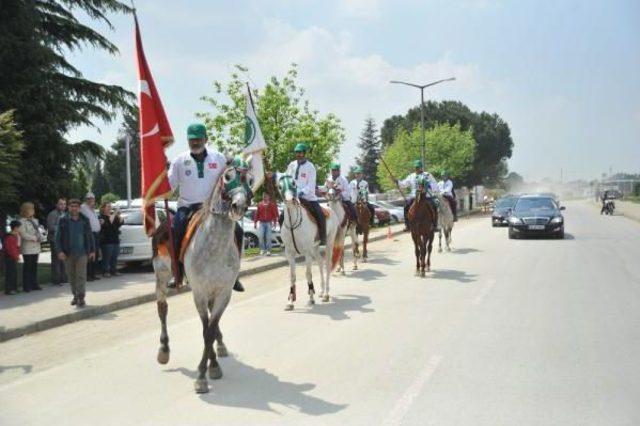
x: 254, y: 143
x: 155, y: 136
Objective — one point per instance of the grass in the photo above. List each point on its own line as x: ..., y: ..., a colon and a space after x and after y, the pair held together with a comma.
x: 633, y: 198
x: 44, y: 274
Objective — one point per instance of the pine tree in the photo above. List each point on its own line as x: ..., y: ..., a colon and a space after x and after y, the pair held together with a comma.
x: 370, y: 152
x: 99, y: 184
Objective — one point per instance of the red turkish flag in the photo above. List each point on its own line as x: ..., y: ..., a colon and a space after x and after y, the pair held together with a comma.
x: 155, y: 136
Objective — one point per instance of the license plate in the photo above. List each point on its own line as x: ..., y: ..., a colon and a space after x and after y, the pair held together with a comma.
x: 536, y: 227
x: 126, y: 250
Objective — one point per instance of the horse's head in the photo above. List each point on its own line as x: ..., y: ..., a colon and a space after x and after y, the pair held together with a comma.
x: 331, y: 194
x: 421, y: 184
x: 235, y: 192
x: 287, y: 188
x: 363, y: 194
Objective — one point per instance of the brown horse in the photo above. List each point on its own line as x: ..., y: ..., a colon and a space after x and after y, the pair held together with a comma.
x: 364, y: 218
x: 421, y: 219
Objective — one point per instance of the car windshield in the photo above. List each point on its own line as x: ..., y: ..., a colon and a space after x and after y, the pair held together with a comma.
x: 543, y: 204
x: 506, y: 202
x: 132, y: 217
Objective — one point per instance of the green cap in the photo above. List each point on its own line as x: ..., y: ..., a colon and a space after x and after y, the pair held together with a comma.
x: 239, y: 163
x: 196, y: 131
x: 417, y: 164
x: 358, y: 169
x: 335, y: 166
x: 301, y: 147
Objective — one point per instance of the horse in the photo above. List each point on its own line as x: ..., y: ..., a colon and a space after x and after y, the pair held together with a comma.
x: 421, y: 217
x: 445, y: 223
x: 211, y: 266
x: 364, y: 218
x: 335, y: 203
x: 298, y: 233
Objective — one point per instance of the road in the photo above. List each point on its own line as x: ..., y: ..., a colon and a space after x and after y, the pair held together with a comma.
x: 501, y: 332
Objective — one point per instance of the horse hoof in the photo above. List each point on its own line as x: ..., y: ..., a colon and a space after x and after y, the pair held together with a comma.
x: 355, y: 268
x: 163, y: 357
x: 422, y: 274
x: 343, y: 273
x: 215, y: 373
x: 222, y: 352
x: 201, y: 386
x: 439, y: 250
x: 289, y: 307
x: 326, y: 298
x: 311, y: 302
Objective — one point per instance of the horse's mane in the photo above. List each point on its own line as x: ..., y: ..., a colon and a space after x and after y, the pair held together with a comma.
x: 213, y: 201
x: 420, y: 209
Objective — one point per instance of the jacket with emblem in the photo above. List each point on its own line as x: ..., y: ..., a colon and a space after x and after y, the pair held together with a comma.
x: 305, y: 177
x: 195, y: 179
x: 341, y: 184
x: 355, y: 186
x: 411, y: 181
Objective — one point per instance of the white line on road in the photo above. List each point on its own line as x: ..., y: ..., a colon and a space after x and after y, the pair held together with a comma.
x: 480, y: 297
x: 403, y: 405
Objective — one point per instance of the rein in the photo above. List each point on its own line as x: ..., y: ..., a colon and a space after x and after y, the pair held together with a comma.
x: 292, y: 227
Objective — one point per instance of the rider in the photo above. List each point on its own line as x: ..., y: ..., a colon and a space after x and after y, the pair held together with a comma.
x: 412, y: 182
x: 445, y: 186
x: 606, y: 196
x: 304, y: 173
x: 341, y: 185
x: 359, y: 184
x: 194, y: 173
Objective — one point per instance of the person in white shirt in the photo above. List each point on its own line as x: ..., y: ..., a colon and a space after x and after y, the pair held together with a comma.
x: 446, y: 188
x: 87, y: 209
x: 359, y: 184
x: 411, y: 181
x: 304, y: 173
x: 194, y: 173
x: 341, y: 185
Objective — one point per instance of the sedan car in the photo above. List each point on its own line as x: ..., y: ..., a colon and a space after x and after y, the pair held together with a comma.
x: 536, y: 215
x: 251, y: 239
x: 396, y: 212
x: 135, y: 245
x: 501, y: 211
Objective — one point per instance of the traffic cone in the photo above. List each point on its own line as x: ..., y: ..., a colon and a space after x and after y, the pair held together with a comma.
x: 389, y: 237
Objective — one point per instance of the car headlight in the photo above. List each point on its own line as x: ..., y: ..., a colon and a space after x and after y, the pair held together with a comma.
x: 558, y: 219
x: 515, y: 221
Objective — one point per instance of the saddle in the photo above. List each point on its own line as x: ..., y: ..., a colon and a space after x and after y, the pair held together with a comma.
x: 193, y: 222
x: 325, y: 211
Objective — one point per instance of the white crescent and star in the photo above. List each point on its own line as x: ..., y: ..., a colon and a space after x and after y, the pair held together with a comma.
x: 144, y: 88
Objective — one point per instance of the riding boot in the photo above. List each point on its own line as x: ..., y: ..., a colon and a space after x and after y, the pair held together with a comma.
x: 372, y: 213
x: 322, y: 223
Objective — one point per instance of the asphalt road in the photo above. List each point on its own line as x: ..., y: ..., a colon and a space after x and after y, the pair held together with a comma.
x: 501, y: 332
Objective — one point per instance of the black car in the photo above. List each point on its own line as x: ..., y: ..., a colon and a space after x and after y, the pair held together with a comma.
x: 501, y: 211
x: 536, y: 215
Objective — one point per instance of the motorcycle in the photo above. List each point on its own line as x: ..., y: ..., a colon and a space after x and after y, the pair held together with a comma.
x: 609, y: 207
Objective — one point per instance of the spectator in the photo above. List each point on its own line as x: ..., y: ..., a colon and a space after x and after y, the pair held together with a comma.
x: 11, y: 257
x: 75, y: 246
x: 30, y: 239
x: 267, y: 215
x: 110, y: 223
x: 88, y: 210
x: 58, y: 274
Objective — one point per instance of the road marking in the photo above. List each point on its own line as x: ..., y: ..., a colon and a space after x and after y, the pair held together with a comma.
x: 403, y: 405
x: 480, y: 297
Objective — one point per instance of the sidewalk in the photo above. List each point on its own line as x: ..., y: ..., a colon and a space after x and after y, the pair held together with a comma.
x: 41, y: 310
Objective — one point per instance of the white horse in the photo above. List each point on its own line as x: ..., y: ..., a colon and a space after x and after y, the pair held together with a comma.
x: 298, y: 234
x: 335, y: 203
x: 211, y: 266
x: 445, y: 223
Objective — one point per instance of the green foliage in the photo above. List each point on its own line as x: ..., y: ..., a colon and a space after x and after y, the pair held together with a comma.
x: 370, y: 152
x: 115, y: 162
x: 491, y: 134
x: 513, y: 182
x: 99, y: 183
x: 284, y: 115
x: 79, y: 185
x: 109, y: 197
x: 50, y: 96
x: 11, y: 147
x: 448, y: 148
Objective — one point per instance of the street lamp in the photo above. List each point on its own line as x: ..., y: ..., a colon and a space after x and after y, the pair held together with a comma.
x: 127, y: 144
x: 422, y: 87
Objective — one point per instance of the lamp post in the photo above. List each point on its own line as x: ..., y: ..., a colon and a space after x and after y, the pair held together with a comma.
x: 127, y: 145
x: 422, y: 87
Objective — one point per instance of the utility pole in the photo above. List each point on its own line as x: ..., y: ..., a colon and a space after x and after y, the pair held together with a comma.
x: 127, y: 146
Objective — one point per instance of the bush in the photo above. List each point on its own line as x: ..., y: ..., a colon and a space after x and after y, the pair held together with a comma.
x: 109, y: 197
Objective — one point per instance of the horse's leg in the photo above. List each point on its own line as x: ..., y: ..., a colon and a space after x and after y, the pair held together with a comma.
x: 163, y: 308
x: 429, y: 248
x: 201, y: 384
x: 325, y: 262
x: 416, y: 248
x: 354, y: 243
x: 447, y: 239
x: 221, y: 348
x: 440, y: 240
x: 292, y: 281
x: 311, y: 289
x: 365, y: 241
x: 220, y: 304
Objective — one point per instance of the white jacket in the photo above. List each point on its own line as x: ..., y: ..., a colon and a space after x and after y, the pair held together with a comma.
x: 446, y: 187
x: 411, y: 181
x: 92, y: 216
x: 305, y: 180
x: 356, y: 186
x: 30, y: 237
x: 341, y: 184
x: 195, y: 187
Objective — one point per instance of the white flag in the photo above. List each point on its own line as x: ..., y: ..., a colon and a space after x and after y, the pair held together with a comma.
x: 254, y: 143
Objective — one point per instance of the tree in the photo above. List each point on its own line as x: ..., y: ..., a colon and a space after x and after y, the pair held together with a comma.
x: 449, y: 149
x: 11, y: 147
x: 370, y: 152
x: 99, y: 183
x: 115, y: 162
x: 284, y: 115
x: 513, y: 182
x: 50, y: 96
x: 109, y: 197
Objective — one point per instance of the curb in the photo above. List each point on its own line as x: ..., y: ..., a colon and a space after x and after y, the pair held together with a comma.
x: 93, y: 311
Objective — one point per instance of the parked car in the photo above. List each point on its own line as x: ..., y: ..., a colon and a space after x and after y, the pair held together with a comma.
x: 383, y: 216
x: 44, y: 245
x: 502, y: 210
x: 536, y: 215
x: 251, y: 239
x: 396, y: 212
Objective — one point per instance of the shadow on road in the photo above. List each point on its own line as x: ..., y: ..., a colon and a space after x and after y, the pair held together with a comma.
x: 244, y: 386
x: 339, y: 306
x: 366, y: 274
x: 464, y: 250
x: 451, y: 274
x: 26, y: 369
x: 379, y: 260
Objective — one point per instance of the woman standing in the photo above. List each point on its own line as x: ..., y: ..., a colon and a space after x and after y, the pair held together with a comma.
x: 30, y: 239
x: 110, y: 223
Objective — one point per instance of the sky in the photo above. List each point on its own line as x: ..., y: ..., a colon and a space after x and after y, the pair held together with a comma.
x: 565, y: 75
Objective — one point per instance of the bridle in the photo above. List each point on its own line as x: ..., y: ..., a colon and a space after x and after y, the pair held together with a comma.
x: 292, y: 226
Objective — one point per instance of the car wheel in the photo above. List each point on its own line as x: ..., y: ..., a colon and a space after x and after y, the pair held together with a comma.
x: 394, y: 219
x: 561, y: 234
x: 251, y: 241
x: 134, y: 263
x: 512, y: 235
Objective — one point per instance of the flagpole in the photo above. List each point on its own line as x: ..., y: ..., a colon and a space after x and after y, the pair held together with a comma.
x: 384, y: 163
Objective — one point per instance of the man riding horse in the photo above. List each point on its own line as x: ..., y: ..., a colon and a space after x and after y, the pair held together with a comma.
x: 359, y: 184
x: 304, y: 173
x: 446, y: 188
x: 340, y: 184
x: 194, y: 173
x: 412, y: 182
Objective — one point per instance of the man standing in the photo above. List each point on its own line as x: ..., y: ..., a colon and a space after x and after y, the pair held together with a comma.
x: 445, y: 186
x: 195, y: 172
x: 304, y: 173
x: 88, y: 211
x: 341, y: 185
x: 267, y: 216
x: 58, y: 274
x: 75, y: 245
x: 358, y: 184
x: 411, y: 181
